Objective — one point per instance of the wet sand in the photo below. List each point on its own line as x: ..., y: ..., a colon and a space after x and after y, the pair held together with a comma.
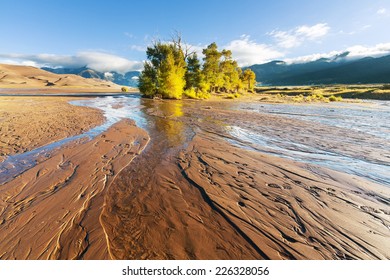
x: 185, y: 191
x: 204, y: 198
x: 290, y: 210
x: 31, y: 122
x: 52, y: 211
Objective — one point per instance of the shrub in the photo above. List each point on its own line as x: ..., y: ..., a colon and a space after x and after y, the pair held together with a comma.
x: 298, y: 98
x: 124, y: 89
x: 203, y: 95
x: 196, y: 94
x: 191, y: 93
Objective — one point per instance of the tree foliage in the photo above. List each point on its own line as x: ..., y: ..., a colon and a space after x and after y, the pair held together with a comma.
x: 172, y: 69
x: 249, y: 79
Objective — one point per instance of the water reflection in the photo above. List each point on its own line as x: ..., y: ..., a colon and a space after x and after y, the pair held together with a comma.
x: 167, y: 123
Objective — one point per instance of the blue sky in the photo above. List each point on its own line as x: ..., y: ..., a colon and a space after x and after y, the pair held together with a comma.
x: 113, y: 35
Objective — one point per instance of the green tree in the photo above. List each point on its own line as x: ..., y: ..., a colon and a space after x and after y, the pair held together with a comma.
x: 147, y: 82
x: 230, y: 72
x: 171, y: 76
x: 193, y: 74
x: 164, y: 71
x: 211, y: 71
x: 249, y: 79
x: 196, y: 87
x: 171, y: 70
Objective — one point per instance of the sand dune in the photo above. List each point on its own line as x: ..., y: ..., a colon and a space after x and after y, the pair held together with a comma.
x: 19, y: 77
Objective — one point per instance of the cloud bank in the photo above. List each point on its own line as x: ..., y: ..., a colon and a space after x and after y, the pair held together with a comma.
x: 95, y: 60
x: 351, y: 53
x: 381, y: 11
x: 248, y: 52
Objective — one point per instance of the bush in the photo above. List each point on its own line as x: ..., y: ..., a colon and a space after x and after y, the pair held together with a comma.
x: 191, y: 93
x: 196, y: 94
x: 298, y: 98
x: 334, y: 98
x: 124, y: 89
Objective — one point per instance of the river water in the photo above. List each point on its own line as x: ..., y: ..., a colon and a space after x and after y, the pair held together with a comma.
x: 355, y: 138
x: 359, y: 144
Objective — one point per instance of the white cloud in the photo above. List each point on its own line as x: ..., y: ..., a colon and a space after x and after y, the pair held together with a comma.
x: 138, y: 48
x: 286, y: 39
x: 198, y: 49
x: 351, y: 53
x: 381, y: 11
x: 311, y: 57
x: 108, y: 76
x: 297, y: 36
x: 378, y: 50
x: 248, y: 52
x: 108, y: 62
x: 99, y: 61
x: 313, y: 32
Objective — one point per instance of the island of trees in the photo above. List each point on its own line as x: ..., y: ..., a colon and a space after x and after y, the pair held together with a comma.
x: 172, y: 71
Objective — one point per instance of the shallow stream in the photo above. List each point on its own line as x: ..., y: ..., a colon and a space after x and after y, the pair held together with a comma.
x: 362, y: 125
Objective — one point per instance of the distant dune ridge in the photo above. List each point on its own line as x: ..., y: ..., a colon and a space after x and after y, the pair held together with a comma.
x: 129, y: 79
x: 16, y: 76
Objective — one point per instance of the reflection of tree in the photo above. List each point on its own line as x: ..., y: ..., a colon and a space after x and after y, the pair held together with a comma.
x: 167, y: 121
x: 171, y: 108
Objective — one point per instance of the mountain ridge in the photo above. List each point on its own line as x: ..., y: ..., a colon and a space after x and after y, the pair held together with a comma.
x: 127, y: 79
x: 337, y: 70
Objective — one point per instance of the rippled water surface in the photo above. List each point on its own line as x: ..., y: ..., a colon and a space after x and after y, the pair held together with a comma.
x: 367, y: 120
x: 368, y: 116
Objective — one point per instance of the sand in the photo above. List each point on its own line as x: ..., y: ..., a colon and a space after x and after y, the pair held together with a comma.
x: 16, y: 78
x: 190, y: 195
x: 52, y: 211
x: 31, y: 122
x: 291, y: 210
x: 211, y: 200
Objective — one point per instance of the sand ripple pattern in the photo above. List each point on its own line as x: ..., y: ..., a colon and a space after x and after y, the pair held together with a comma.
x: 290, y: 210
x: 52, y: 211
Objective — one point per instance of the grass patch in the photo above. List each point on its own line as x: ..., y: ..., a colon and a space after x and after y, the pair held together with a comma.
x: 330, y: 93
